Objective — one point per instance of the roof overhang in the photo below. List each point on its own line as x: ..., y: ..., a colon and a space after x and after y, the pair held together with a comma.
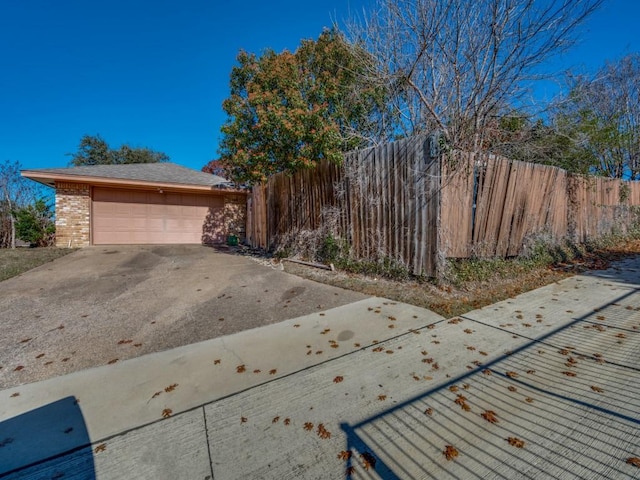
x: 50, y: 179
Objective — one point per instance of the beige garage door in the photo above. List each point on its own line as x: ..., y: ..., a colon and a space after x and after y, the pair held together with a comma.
x: 143, y: 217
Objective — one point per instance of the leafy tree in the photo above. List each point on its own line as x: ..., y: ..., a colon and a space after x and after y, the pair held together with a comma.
x: 34, y: 223
x: 289, y: 110
x: 216, y: 167
x: 94, y: 150
x: 601, y: 117
x: 518, y: 137
x: 454, y: 65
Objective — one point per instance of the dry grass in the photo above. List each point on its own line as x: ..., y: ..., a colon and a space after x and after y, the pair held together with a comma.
x: 16, y: 261
x: 479, y: 282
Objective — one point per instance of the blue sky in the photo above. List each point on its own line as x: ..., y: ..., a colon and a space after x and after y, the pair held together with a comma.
x: 154, y: 73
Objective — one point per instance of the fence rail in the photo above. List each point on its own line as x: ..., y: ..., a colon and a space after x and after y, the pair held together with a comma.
x: 396, y: 201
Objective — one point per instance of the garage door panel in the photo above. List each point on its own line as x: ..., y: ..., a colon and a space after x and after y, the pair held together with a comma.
x: 138, y: 217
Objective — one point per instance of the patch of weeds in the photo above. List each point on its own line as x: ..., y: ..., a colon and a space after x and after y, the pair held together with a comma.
x: 385, y: 267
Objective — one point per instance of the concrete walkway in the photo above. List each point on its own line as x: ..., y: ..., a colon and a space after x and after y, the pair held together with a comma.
x: 545, y: 385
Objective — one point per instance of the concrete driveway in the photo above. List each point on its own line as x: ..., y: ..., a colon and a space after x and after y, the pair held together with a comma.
x: 103, y: 305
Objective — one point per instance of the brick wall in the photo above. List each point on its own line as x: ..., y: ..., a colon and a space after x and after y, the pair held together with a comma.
x: 73, y: 214
x: 235, y: 215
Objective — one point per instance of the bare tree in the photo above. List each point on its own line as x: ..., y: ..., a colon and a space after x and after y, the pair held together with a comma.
x: 601, y: 115
x: 15, y: 192
x: 455, y: 64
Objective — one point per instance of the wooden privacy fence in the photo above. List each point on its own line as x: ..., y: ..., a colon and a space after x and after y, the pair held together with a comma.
x: 404, y: 202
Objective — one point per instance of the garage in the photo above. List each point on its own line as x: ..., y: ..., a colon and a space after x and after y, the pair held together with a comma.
x: 138, y: 204
x: 123, y: 216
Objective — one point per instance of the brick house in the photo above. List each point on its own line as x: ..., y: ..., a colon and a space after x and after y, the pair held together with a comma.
x: 149, y: 203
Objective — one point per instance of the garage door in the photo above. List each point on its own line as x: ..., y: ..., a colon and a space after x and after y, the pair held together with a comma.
x: 144, y: 217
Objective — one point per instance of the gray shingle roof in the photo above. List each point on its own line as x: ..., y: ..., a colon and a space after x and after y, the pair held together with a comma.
x: 145, y: 172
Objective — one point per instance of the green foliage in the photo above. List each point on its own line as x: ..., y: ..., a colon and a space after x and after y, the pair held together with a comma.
x: 287, y: 111
x: 94, y: 150
x: 34, y: 224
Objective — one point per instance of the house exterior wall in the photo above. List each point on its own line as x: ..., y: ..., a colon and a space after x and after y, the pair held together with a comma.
x: 235, y: 215
x: 73, y: 214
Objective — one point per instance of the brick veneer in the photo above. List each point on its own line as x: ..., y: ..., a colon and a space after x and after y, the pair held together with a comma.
x: 235, y: 215
x: 73, y: 214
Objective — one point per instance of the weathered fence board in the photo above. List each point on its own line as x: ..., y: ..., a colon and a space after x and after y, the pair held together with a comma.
x: 395, y: 202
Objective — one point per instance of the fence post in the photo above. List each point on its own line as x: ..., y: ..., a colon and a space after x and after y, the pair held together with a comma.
x: 435, y: 263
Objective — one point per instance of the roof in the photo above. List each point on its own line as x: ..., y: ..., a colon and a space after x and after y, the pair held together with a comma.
x: 149, y: 174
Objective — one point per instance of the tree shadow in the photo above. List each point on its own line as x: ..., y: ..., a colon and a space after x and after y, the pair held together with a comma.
x: 565, y: 405
x: 35, y: 440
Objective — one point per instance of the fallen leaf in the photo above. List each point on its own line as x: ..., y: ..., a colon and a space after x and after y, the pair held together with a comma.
x: 453, y: 388
x: 241, y: 369
x: 111, y: 362
x: 596, y: 389
x: 275, y: 420
x: 486, y: 371
x: 287, y: 421
x: 344, y: 455
x: 18, y: 368
x: 528, y: 400
x: 308, y: 426
x: 368, y: 461
x: 382, y: 398
x: 243, y: 419
x: 40, y: 355
x: 216, y: 361
x: 429, y: 411
x: 569, y: 374
x: 296, y: 325
x: 156, y: 394
x: 511, y: 388
x: 450, y: 452
x: 273, y: 371
x: 489, y: 416
x: 171, y: 388
x: 515, y: 442
x: 166, y: 413
x: 100, y: 448
x: 511, y: 374
x: 25, y: 340
x: 323, y: 432
x: 16, y: 394
x: 468, y: 331
x: 635, y: 461
x: 257, y: 370
x: 338, y: 379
